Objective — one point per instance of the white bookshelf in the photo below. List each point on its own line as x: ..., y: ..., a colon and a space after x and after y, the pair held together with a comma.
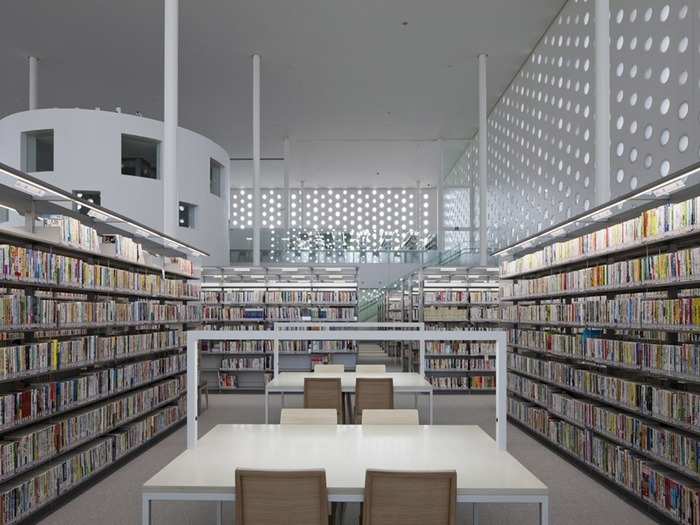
x: 107, y: 328
x: 263, y: 296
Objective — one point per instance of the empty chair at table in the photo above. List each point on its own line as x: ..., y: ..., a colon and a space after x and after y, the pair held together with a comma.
x: 329, y: 369
x: 390, y: 417
x: 370, y: 369
x: 373, y: 393
x: 309, y: 416
x: 324, y: 392
x: 267, y: 497
x: 410, y: 498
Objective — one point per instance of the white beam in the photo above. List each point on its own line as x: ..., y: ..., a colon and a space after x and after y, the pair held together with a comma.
x: 170, y: 116
x: 602, y: 101
x: 33, y: 83
x: 287, y: 170
x: 483, y: 161
x: 256, y: 161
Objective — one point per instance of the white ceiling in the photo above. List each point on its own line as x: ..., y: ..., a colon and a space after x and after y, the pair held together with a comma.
x: 331, y: 69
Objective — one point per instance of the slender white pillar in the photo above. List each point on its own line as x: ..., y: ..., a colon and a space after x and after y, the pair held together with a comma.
x: 440, y: 208
x: 33, y: 83
x: 256, y: 160
x: 602, y: 101
x: 483, y: 161
x: 287, y: 170
x: 170, y: 116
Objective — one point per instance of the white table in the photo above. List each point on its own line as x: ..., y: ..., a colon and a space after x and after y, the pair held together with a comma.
x: 485, y: 473
x: 404, y: 383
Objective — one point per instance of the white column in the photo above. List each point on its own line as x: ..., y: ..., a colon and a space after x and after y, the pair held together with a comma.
x: 440, y: 207
x: 170, y: 117
x: 287, y: 170
x: 33, y: 83
x: 483, y: 160
x: 256, y: 160
x: 602, y: 101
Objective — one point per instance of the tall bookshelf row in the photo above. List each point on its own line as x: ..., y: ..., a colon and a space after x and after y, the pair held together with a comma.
x: 604, y: 352
x: 241, y: 298
x: 92, y: 356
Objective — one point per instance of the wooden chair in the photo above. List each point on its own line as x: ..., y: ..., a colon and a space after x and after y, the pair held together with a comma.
x: 370, y: 369
x: 329, y: 369
x: 373, y: 393
x: 390, y: 417
x: 273, y: 497
x: 309, y: 416
x: 324, y: 392
x: 410, y: 498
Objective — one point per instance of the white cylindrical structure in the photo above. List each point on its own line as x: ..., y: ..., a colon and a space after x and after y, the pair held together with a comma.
x: 256, y: 160
x: 483, y: 160
x: 170, y: 116
x: 602, y: 101
x: 33, y: 83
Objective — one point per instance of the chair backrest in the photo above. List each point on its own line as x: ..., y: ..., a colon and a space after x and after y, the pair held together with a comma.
x: 390, y: 417
x: 410, y: 498
x: 373, y: 393
x: 266, y: 497
x: 370, y: 369
x: 324, y: 392
x: 309, y: 416
x: 329, y: 369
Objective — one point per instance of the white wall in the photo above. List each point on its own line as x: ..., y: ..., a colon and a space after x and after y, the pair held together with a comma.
x: 87, y: 156
x: 349, y: 163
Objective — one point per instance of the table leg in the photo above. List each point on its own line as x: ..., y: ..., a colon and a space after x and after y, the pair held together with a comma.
x: 219, y: 512
x: 283, y: 400
x: 544, y: 511
x: 267, y: 407
x: 145, y: 510
x: 475, y: 514
x: 430, y: 407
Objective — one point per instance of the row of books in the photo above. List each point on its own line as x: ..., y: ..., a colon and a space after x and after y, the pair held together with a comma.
x: 670, y: 446
x: 18, y: 310
x: 24, y: 449
x: 255, y: 363
x: 463, y: 382
x: 309, y: 297
x: 40, y: 400
x: 212, y: 312
x: 460, y: 348
x: 625, y: 310
x: 469, y: 363
x: 233, y: 296
x: 36, y: 489
x: 671, y: 359
x: 125, y: 247
x: 73, y: 232
x: 667, y: 491
x: 434, y: 313
x: 29, y: 265
x: 655, y: 268
x: 674, y: 407
x: 484, y: 313
x: 236, y: 347
x: 295, y: 313
x: 666, y: 219
x: 317, y: 346
x: 460, y: 296
x: 48, y: 356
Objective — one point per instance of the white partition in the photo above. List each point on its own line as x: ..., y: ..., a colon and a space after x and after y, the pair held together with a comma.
x: 359, y: 334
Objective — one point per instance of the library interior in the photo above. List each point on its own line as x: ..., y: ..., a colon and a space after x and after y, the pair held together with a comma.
x: 333, y: 262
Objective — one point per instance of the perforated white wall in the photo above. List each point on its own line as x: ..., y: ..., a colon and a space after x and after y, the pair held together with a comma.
x: 654, y: 126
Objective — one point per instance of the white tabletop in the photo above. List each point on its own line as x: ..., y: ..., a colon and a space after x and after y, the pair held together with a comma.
x: 346, y: 452
x: 403, y: 381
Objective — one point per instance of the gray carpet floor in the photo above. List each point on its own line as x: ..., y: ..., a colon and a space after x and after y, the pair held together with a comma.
x: 576, y: 498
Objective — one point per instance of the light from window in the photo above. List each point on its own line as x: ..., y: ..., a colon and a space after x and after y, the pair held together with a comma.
x: 93, y: 197
x: 37, y: 152
x: 215, y: 170
x: 140, y: 157
x: 186, y: 214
